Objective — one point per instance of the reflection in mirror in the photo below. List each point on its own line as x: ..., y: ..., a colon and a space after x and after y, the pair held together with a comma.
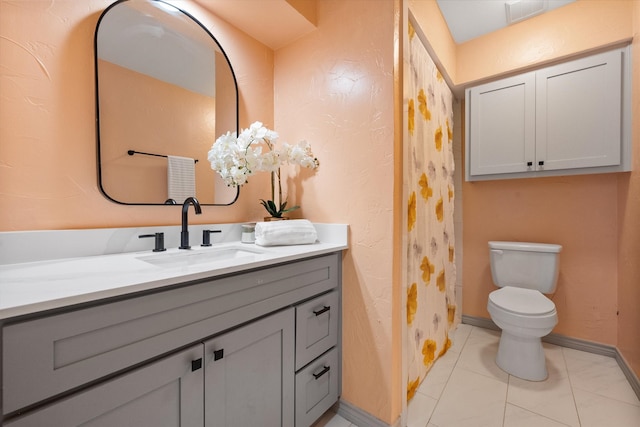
x: 165, y: 91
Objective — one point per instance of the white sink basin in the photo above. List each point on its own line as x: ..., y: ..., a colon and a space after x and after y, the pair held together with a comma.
x: 188, y: 257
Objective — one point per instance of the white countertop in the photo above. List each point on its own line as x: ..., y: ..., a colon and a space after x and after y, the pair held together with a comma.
x: 30, y: 287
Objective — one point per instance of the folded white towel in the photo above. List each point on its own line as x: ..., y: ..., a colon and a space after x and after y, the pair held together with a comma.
x: 290, y: 232
x: 181, y: 178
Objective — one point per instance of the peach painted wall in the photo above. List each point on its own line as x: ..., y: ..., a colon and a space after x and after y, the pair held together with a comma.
x: 335, y: 88
x: 577, y: 27
x: 593, y: 217
x: 629, y: 228
x: 435, y: 31
x: 579, y: 212
x: 341, y: 100
x: 48, y: 177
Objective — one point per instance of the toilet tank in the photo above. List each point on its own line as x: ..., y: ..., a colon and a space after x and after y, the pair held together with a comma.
x: 525, y: 265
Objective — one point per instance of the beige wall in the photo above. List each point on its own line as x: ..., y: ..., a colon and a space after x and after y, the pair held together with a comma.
x: 334, y: 88
x: 594, y: 217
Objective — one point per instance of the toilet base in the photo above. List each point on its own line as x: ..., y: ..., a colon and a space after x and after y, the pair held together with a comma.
x: 522, y: 357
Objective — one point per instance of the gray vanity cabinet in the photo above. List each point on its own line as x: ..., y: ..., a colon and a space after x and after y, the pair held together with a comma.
x: 166, y: 393
x: 217, y: 352
x: 249, y: 375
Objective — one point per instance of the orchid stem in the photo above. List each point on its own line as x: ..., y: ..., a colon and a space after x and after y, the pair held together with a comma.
x: 279, y: 189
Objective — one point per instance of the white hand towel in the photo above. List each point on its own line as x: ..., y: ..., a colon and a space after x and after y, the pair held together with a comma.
x: 290, y: 232
x: 181, y: 178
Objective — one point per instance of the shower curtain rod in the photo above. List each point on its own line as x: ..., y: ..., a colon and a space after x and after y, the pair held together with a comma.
x: 132, y: 152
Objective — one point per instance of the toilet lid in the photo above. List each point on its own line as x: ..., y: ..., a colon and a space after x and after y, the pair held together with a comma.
x: 522, y: 301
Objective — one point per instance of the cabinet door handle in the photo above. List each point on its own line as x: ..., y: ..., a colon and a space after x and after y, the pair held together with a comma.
x: 541, y: 163
x: 218, y: 354
x: 529, y: 163
x: 325, y: 369
x: 196, y: 364
x: 322, y: 310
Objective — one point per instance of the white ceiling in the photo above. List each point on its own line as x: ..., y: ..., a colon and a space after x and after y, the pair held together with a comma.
x: 468, y: 19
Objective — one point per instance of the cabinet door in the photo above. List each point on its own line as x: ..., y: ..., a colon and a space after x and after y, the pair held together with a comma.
x: 578, y: 113
x: 502, y: 126
x: 249, y: 374
x: 164, y: 393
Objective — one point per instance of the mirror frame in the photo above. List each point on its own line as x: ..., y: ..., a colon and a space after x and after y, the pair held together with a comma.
x: 97, y: 101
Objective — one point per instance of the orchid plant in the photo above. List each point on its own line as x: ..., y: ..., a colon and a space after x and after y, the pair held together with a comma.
x: 236, y: 157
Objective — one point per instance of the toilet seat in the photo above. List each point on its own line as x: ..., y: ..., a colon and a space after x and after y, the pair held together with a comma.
x: 521, y: 301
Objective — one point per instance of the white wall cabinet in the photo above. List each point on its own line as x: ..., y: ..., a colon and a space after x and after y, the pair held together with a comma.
x: 218, y: 352
x: 569, y: 118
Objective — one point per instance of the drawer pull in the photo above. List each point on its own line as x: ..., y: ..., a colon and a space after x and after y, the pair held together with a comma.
x: 321, y: 373
x: 322, y: 310
x: 196, y: 364
x: 218, y: 354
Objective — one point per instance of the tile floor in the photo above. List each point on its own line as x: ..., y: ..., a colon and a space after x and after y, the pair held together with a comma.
x: 466, y: 388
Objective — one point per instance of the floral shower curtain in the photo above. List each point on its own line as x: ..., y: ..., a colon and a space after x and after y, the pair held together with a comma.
x: 429, y: 168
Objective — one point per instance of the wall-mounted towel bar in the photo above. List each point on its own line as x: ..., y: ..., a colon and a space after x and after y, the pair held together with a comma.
x: 132, y: 152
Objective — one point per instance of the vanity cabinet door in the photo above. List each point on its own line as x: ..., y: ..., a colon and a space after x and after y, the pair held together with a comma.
x: 249, y: 374
x: 166, y: 393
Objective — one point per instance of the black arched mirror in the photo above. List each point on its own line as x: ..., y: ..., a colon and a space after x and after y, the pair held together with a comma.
x: 165, y: 90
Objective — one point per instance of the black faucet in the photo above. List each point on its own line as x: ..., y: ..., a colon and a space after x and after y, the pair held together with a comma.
x: 184, y: 234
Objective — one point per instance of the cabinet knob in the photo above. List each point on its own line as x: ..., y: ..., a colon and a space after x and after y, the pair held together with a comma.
x: 529, y: 163
x: 196, y: 364
x: 218, y: 354
x: 541, y: 163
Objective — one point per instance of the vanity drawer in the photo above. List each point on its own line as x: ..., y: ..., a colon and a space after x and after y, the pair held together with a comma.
x: 316, y: 327
x: 317, y: 388
x: 47, y: 356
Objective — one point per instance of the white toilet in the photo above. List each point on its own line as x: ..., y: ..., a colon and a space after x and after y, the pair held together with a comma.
x: 523, y: 272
